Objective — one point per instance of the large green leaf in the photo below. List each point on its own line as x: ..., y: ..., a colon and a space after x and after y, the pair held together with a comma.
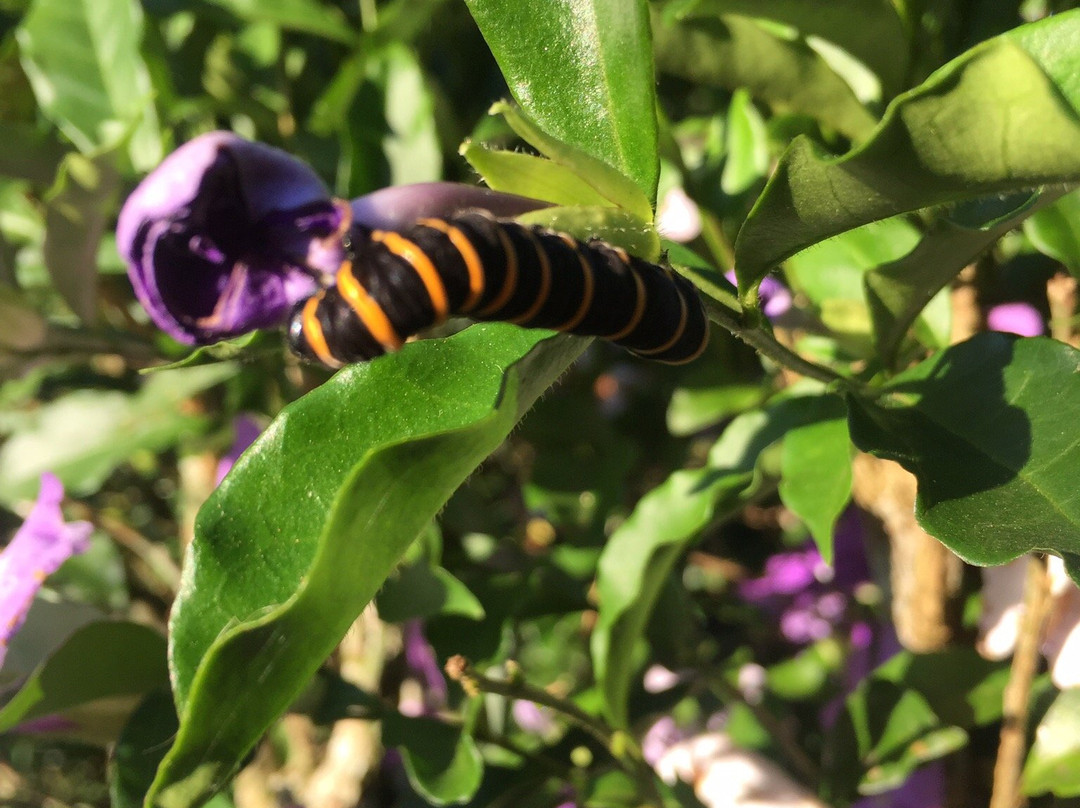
x: 83, y: 61
x: 986, y: 427
x: 583, y: 70
x: 313, y: 518
x: 1000, y: 118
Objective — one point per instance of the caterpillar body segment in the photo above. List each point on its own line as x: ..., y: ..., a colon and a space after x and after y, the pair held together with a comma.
x: 397, y: 283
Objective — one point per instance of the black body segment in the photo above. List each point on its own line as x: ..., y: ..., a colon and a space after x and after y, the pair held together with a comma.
x: 397, y: 283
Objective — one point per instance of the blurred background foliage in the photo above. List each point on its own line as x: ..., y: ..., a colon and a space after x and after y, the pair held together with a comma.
x: 751, y: 635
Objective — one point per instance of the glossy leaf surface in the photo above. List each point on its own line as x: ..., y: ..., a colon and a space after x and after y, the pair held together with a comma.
x: 583, y: 70
x: 313, y: 518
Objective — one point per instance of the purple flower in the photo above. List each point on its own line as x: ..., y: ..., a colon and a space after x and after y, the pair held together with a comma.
x: 226, y: 235
x: 776, y: 300
x: 806, y: 595
x: 38, y: 549
x: 424, y: 668
x: 1016, y: 318
x: 246, y: 430
x: 223, y: 237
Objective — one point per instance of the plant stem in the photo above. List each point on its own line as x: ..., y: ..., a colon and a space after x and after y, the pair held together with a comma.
x: 619, y: 744
x: 1025, y: 661
x: 767, y: 345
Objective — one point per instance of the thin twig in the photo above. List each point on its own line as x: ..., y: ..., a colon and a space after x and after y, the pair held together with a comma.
x: 619, y: 744
x: 1025, y: 661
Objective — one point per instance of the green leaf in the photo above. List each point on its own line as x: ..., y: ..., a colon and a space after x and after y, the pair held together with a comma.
x: 985, y: 428
x: 999, y: 119
x: 313, y: 518
x: 442, y: 762
x: 82, y: 58
x: 893, y: 729
x: 1053, y: 765
x: 899, y: 290
x: 532, y: 176
x: 733, y: 52
x: 962, y: 688
x: 613, y: 225
x: 815, y: 470
x: 607, y: 181
x: 100, y: 660
x: 141, y: 747
x: 583, y: 71
x: 297, y: 15
x: 639, y: 556
x: 747, y: 145
x: 84, y: 435
x: 872, y: 31
x: 832, y: 276
x: 411, y: 146
x: 1055, y: 231
x: 419, y: 590
x: 76, y: 213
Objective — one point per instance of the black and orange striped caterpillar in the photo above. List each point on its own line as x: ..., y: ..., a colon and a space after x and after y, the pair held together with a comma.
x: 395, y: 283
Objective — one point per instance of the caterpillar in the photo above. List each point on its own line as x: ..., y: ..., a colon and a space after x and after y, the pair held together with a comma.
x: 395, y: 283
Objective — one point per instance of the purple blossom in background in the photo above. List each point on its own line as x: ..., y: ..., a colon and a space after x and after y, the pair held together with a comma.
x: 246, y: 430
x: 423, y: 666
x: 226, y: 235
x: 1016, y: 318
x: 39, y: 547
x: 808, y: 597
x: 776, y: 300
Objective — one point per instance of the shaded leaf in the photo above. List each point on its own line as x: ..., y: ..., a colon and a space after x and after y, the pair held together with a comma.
x: 308, y: 16
x: 442, y: 762
x: 985, y: 427
x: 419, y: 590
x: 76, y: 213
x: 872, y: 31
x: 1055, y: 231
x: 140, y: 748
x: 899, y: 290
x: 815, y: 468
x: 733, y: 52
x: 99, y: 660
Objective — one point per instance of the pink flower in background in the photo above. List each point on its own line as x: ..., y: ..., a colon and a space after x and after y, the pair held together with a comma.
x: 678, y: 217
x: 39, y: 547
x: 1016, y: 318
x: 428, y: 695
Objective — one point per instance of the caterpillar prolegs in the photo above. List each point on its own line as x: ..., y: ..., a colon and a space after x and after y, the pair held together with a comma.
x: 396, y: 283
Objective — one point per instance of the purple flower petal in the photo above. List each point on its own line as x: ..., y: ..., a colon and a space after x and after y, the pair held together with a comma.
x: 785, y: 574
x: 246, y: 429
x: 421, y: 661
x: 37, y: 550
x: 1016, y: 318
x: 225, y: 236
x: 394, y: 208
